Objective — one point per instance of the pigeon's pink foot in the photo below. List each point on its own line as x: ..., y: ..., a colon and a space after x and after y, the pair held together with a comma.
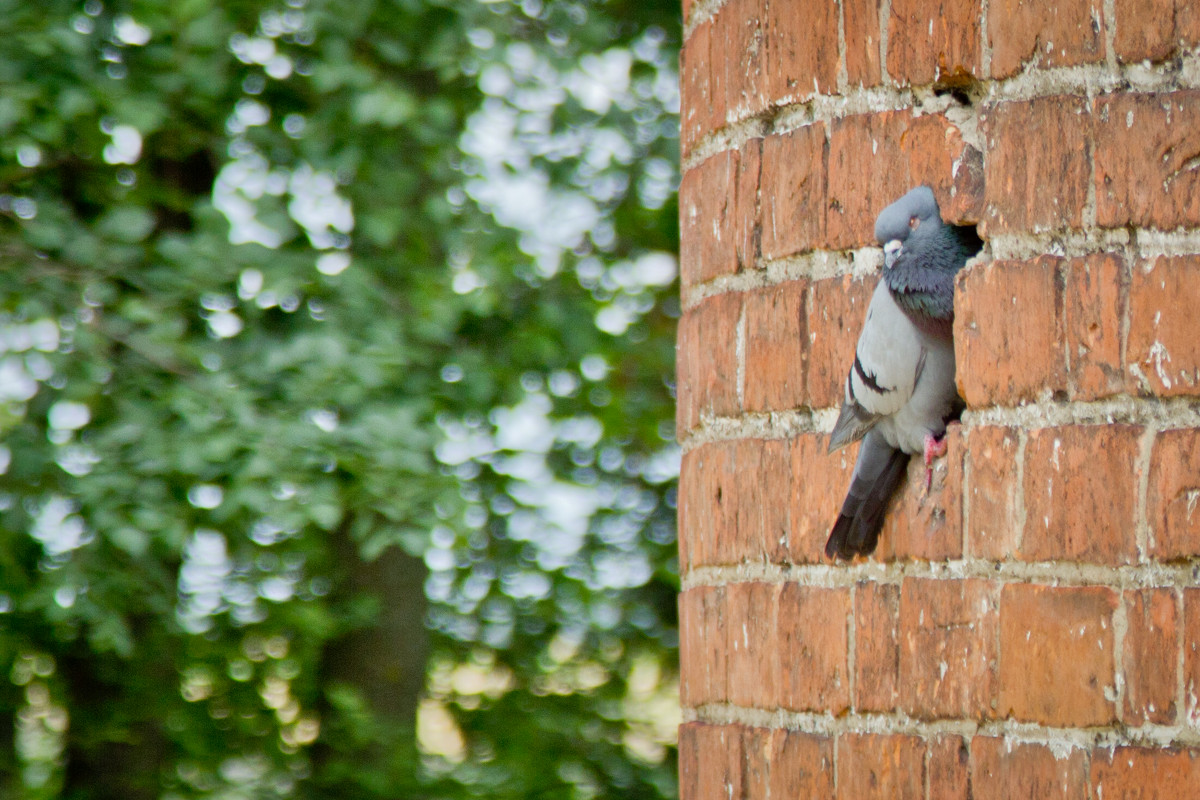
x: 934, y: 448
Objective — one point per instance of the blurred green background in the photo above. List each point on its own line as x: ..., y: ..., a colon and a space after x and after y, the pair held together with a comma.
x: 336, y: 368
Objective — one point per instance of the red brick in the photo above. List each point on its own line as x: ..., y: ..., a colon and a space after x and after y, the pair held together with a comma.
x: 819, y: 483
x: 857, y: 193
x: 880, y: 766
x: 813, y: 646
x: 949, y: 768
x: 739, y: 45
x: 1164, y: 328
x: 801, y: 56
x: 695, y: 516
x: 782, y: 764
x: 876, y: 647
x: 933, y: 41
x: 703, y: 655
x: 1145, y: 154
x: 938, y: 157
x: 1081, y: 494
x: 1154, y: 30
x: 1037, y: 164
x: 776, y: 347
x: 1062, y: 34
x: 993, y: 521
x: 948, y: 631
x: 927, y: 524
x: 710, y: 761
x: 1191, y: 657
x: 861, y: 22
x: 1149, y: 656
x: 1145, y: 773
x: 837, y: 308
x: 706, y: 367
x: 1173, y: 493
x: 1001, y: 362
x: 718, y: 209
x: 764, y: 518
x: 793, y: 191
x: 701, y: 97
x: 1056, y: 655
x: 753, y: 647
x: 1002, y: 769
x: 1097, y: 294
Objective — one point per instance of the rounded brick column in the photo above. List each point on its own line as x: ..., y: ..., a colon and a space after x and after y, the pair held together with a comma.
x: 1031, y: 625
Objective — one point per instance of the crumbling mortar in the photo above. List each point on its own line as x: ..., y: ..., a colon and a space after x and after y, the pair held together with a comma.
x: 1090, y: 81
x: 1174, y: 575
x: 1060, y: 740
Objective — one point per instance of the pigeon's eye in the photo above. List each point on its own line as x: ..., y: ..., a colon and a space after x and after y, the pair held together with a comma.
x: 913, y: 222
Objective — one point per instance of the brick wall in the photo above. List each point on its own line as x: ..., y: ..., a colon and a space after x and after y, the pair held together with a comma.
x: 1030, y: 627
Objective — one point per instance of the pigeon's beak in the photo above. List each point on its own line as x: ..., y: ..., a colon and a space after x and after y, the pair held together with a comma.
x: 891, y: 251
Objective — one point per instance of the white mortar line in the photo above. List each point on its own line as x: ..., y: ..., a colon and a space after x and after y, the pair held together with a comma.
x: 1154, y: 412
x: 1048, y: 573
x: 1061, y: 740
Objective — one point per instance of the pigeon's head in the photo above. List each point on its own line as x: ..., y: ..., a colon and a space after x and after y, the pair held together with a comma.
x: 904, y: 217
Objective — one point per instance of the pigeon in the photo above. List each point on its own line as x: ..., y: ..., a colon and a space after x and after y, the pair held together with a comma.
x: 900, y: 390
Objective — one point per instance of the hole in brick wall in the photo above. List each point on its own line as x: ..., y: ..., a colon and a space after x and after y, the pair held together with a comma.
x: 960, y: 94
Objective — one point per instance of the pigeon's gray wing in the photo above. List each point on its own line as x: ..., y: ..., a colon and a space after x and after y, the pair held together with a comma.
x: 878, y: 471
x: 888, y: 362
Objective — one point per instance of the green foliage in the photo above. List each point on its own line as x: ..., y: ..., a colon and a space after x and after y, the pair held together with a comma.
x: 336, y: 345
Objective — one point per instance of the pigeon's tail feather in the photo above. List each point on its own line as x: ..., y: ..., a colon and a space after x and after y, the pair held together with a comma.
x: 877, y: 473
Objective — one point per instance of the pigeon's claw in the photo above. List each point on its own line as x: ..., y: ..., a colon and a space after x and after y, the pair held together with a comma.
x: 934, y: 448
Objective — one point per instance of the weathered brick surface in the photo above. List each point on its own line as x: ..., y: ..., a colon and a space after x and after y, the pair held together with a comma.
x: 993, y: 492
x: 754, y: 654
x: 1164, y: 328
x: 1154, y: 30
x: 1173, y: 494
x: 1149, y: 656
x: 776, y: 347
x: 1008, y: 338
x: 1061, y: 34
x: 718, y: 207
x: 877, y: 647
x: 813, y: 645
x: 706, y: 367
x: 780, y: 763
x: 934, y: 41
x: 881, y: 766
x: 703, y: 654
x: 793, y: 191
x: 1001, y: 770
x: 949, y: 768
x: 702, y: 100
x: 1056, y: 655
x: 1038, y: 164
x: 1081, y: 494
x: 1145, y: 168
x: 948, y: 638
x: 927, y: 524
x: 801, y: 50
x: 1097, y: 296
x: 819, y: 483
x: 1145, y: 773
x: 1191, y: 657
x: 1086, y: 619
x: 837, y: 308
x: 710, y: 761
x: 861, y: 18
x: 926, y: 149
x: 738, y: 28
